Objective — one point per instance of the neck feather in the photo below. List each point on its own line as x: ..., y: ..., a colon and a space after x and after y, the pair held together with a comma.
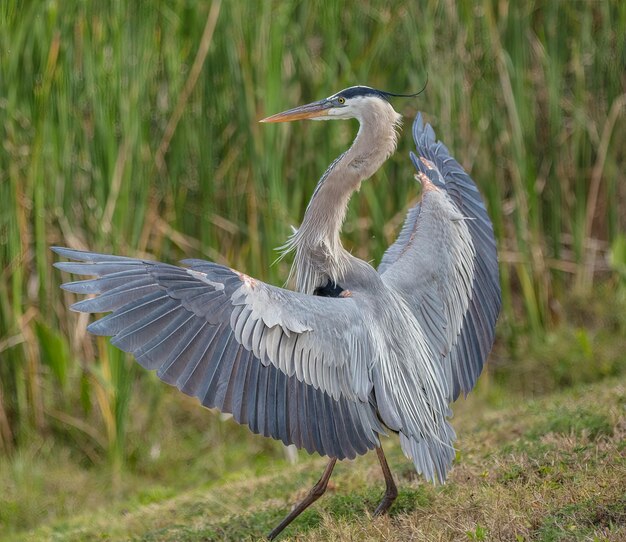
x: 320, y: 256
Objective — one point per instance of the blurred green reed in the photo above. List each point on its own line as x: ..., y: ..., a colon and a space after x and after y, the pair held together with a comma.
x: 132, y: 128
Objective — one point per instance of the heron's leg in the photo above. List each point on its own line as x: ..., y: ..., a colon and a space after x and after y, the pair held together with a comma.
x: 391, y: 491
x: 316, y: 492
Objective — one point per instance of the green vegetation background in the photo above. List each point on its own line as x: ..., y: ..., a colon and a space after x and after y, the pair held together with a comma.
x: 131, y: 127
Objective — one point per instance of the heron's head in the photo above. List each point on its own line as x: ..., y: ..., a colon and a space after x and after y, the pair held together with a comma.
x: 350, y: 103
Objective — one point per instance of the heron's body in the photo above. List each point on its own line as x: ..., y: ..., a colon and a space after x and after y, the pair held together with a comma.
x: 374, y: 351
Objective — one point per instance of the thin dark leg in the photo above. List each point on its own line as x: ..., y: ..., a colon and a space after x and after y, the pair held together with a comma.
x: 316, y: 492
x: 391, y: 492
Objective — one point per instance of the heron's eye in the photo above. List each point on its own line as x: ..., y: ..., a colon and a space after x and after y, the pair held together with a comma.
x: 341, y: 100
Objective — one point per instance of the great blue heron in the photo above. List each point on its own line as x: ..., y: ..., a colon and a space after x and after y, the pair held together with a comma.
x: 355, y: 352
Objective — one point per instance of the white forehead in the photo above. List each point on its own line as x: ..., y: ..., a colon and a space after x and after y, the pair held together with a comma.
x: 356, y: 104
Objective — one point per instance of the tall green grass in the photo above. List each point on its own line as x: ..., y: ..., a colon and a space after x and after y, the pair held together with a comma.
x: 113, y: 140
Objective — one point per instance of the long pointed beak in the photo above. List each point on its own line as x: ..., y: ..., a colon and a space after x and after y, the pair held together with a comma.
x: 309, y: 111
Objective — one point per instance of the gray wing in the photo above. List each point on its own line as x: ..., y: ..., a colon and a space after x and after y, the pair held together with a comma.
x: 444, y: 263
x: 271, y: 357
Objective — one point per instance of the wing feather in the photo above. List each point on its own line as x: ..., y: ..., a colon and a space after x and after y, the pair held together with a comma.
x: 164, y: 341
x: 194, y: 342
x: 195, y: 375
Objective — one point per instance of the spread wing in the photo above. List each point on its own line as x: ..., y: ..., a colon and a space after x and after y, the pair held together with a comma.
x: 444, y: 263
x: 290, y: 366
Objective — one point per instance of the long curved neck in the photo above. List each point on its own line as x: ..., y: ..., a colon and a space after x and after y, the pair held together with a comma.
x: 320, y: 256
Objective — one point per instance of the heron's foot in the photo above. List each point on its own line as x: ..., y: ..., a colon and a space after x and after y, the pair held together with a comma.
x: 390, y: 496
x: 316, y: 492
x: 391, y: 491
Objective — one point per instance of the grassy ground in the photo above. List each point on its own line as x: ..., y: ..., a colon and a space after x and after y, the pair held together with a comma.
x: 547, y: 469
